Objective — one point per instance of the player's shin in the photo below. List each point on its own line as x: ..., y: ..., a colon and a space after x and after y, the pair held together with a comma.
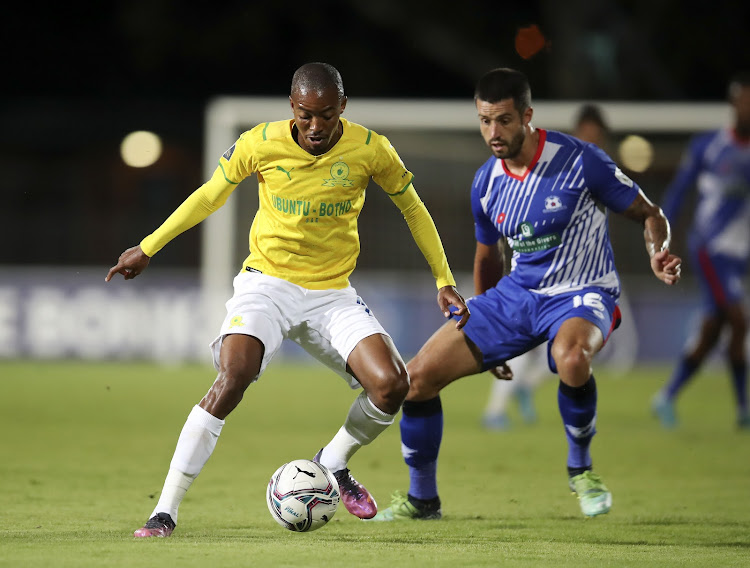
x: 739, y: 383
x: 578, y: 411
x: 194, y: 446
x: 421, y: 435
x: 364, y: 423
x: 685, y: 371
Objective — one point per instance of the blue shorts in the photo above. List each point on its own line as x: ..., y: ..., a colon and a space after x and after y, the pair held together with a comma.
x: 509, y: 320
x: 720, y: 278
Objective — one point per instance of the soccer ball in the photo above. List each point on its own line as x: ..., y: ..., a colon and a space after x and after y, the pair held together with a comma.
x: 302, y: 495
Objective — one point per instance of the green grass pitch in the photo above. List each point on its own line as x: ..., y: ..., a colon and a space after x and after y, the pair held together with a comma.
x: 85, y: 447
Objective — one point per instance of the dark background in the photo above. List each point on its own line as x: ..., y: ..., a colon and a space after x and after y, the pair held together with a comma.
x: 80, y: 77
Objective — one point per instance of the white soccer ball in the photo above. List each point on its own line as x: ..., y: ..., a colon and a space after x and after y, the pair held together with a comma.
x: 302, y: 495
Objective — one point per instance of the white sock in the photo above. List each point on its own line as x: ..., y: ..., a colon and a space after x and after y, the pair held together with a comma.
x: 500, y: 395
x: 523, y: 367
x: 194, y: 446
x: 364, y: 423
x: 175, y: 486
x: 337, y: 453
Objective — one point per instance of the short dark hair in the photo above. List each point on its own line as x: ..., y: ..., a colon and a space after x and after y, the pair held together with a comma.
x: 317, y: 77
x: 739, y: 80
x: 591, y: 113
x: 504, y: 83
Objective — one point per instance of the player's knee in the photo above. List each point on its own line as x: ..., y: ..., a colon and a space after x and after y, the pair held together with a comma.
x: 573, y: 364
x: 390, y: 389
x: 419, y: 386
x: 227, y: 391
x: 234, y: 378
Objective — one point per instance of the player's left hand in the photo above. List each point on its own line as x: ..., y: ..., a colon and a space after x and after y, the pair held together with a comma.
x: 666, y: 267
x: 449, y: 296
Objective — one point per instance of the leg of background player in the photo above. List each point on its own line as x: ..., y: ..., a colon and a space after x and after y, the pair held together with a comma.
x: 690, y: 362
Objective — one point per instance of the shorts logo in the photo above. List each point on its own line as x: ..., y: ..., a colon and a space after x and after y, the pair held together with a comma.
x: 236, y: 321
x: 339, y: 176
x: 553, y: 204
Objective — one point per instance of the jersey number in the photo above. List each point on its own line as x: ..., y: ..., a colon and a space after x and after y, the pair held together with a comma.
x: 590, y: 300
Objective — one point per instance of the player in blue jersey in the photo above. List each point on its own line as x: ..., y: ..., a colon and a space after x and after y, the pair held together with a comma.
x: 531, y: 369
x: 718, y: 164
x: 545, y: 194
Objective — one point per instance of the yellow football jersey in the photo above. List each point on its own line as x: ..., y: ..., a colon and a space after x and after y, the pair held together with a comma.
x: 305, y: 229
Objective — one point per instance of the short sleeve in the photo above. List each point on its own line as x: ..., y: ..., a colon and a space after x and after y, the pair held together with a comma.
x: 239, y: 162
x: 484, y: 229
x: 389, y: 171
x: 607, y: 183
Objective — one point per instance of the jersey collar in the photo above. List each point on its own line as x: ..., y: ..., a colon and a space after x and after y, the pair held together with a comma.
x: 534, y: 160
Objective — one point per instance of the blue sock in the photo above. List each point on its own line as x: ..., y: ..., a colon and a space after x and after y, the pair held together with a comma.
x: 682, y: 374
x: 421, y: 434
x: 739, y: 382
x: 578, y: 411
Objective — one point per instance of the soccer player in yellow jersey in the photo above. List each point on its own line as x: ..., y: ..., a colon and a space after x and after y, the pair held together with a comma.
x: 312, y: 172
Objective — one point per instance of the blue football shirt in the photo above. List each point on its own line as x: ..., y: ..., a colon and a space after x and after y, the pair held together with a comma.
x: 718, y: 164
x: 554, y: 217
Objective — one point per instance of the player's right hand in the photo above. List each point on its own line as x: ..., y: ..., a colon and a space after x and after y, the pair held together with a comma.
x: 130, y: 264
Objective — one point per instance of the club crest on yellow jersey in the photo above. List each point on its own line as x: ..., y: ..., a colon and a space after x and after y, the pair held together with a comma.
x: 339, y: 176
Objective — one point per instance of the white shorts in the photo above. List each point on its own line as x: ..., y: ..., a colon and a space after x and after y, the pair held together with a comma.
x: 328, y: 324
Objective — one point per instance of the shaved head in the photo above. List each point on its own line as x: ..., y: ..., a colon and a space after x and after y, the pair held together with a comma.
x: 317, y: 100
x: 317, y: 78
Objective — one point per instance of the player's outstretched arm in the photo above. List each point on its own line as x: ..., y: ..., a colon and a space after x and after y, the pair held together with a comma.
x: 130, y: 264
x: 199, y: 205
x: 428, y: 240
x: 448, y: 296
x: 656, y: 233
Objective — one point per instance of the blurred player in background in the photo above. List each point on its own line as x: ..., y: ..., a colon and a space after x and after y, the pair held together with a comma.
x: 530, y: 370
x: 591, y: 126
x: 540, y: 191
x: 718, y: 165
x: 312, y: 172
